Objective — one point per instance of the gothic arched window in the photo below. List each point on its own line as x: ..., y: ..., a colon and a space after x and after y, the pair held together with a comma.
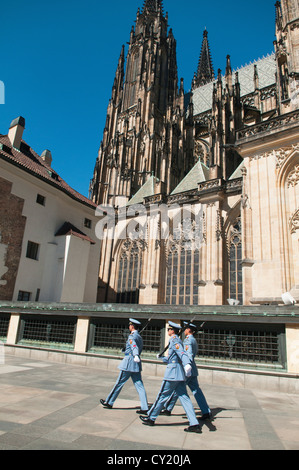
x: 235, y: 277
x: 182, y: 276
x: 129, y: 272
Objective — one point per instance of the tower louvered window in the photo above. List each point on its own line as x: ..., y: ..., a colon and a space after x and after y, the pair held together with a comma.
x: 134, y: 74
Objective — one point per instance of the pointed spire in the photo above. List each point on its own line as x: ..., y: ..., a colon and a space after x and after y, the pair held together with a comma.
x: 278, y: 14
x: 205, y: 71
x: 228, y: 74
x: 154, y: 6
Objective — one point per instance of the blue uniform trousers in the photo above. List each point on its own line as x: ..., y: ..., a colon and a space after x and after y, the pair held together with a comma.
x: 192, y: 383
x: 122, y: 379
x: 167, y: 389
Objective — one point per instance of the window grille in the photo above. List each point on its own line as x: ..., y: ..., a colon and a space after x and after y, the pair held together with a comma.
x: 242, y: 343
x: 48, y: 332
x: 4, y: 324
x: 107, y: 335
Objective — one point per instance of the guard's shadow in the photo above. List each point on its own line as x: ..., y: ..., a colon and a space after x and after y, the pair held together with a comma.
x: 209, y: 423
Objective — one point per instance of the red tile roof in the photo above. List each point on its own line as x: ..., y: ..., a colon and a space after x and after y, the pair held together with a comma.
x: 28, y: 160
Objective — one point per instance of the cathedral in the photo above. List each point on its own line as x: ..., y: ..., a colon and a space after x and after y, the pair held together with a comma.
x: 202, y: 187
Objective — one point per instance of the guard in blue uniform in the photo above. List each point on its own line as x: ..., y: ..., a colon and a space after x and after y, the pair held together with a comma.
x: 191, y: 349
x: 178, y: 367
x: 130, y: 367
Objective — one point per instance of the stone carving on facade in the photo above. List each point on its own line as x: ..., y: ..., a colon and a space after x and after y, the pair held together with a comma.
x: 189, y: 235
x: 234, y: 234
x: 294, y: 222
x: 219, y: 227
x: 201, y: 152
x: 270, y: 125
x: 130, y: 246
x: 282, y: 154
x: 293, y: 178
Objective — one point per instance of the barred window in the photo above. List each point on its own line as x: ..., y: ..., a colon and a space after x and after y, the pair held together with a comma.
x: 129, y: 272
x: 4, y: 324
x: 107, y: 335
x: 53, y: 332
x: 264, y: 344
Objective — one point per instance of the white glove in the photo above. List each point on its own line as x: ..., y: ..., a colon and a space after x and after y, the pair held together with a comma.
x: 188, y: 370
x: 136, y: 359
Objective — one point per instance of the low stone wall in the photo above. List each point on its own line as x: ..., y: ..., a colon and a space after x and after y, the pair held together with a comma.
x: 213, y: 375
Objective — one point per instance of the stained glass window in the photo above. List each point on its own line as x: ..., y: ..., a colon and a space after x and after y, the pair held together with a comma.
x: 182, y: 276
x: 129, y: 273
x: 235, y: 262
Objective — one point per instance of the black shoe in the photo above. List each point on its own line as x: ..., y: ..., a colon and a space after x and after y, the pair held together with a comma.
x: 142, y: 412
x: 206, y: 416
x: 165, y: 413
x: 147, y: 421
x: 195, y: 428
x: 105, y: 404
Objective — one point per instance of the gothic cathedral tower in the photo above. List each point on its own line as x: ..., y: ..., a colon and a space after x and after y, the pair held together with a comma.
x: 144, y: 91
x: 287, y: 54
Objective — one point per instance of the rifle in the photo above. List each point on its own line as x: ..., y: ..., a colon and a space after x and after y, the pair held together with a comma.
x: 180, y: 333
x: 144, y: 328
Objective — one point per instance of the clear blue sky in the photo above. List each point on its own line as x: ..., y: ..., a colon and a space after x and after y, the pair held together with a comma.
x: 58, y: 61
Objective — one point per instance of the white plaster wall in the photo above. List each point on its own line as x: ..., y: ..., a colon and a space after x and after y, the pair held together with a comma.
x: 41, y: 225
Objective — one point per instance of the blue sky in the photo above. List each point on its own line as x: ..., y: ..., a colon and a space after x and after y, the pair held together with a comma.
x: 58, y: 61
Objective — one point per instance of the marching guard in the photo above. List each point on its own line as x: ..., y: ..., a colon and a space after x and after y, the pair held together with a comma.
x: 130, y: 367
x: 191, y: 349
x: 178, y: 367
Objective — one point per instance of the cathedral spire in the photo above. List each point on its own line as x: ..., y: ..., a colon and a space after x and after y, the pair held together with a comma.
x: 154, y: 6
x: 205, y: 70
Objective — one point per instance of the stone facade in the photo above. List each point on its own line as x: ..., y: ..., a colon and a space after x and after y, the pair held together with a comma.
x: 11, y: 238
x: 208, y: 180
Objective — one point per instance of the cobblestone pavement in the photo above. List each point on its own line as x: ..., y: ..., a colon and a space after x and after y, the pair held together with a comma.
x: 53, y: 406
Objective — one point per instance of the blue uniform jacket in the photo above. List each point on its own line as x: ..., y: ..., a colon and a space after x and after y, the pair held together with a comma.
x: 134, y: 347
x: 176, y: 359
x: 191, y: 349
